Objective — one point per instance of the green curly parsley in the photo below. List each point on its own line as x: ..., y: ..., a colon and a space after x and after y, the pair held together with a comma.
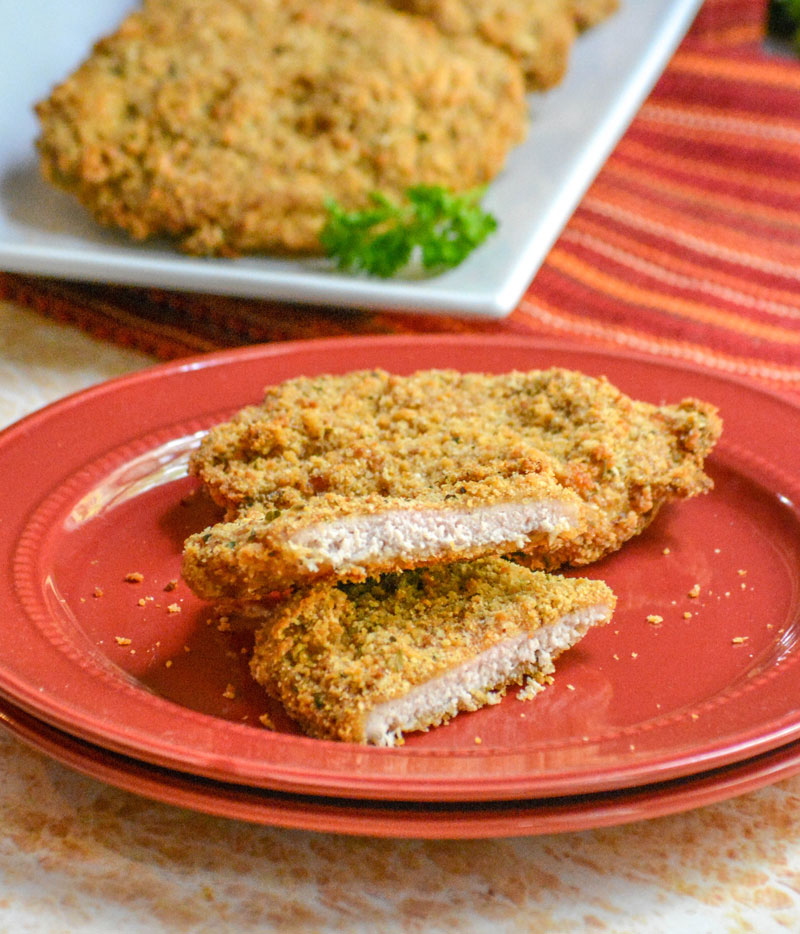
x: 783, y: 20
x: 436, y: 226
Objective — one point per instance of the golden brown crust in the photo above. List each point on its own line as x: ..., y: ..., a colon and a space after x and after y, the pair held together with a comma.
x: 624, y: 458
x: 332, y: 653
x: 536, y: 34
x: 323, y: 448
x: 366, y: 433
x: 227, y: 123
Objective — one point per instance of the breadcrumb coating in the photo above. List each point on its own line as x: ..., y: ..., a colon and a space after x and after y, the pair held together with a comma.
x: 436, y: 466
x: 536, y: 34
x: 226, y: 124
x: 368, y: 662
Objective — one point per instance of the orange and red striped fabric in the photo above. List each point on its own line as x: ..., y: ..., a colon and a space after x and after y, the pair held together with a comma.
x: 687, y: 245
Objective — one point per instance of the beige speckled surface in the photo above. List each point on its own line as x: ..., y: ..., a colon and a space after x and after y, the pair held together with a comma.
x: 41, y: 361
x: 76, y: 855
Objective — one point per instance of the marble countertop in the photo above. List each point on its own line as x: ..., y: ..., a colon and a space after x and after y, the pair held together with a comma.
x: 77, y: 855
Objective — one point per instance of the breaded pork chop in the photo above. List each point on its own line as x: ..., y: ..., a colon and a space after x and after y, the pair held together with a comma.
x: 536, y: 34
x: 356, y: 475
x: 369, y: 662
x: 227, y: 123
x: 588, y: 13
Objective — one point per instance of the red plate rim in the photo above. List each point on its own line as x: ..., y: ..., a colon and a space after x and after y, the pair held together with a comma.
x: 407, y: 820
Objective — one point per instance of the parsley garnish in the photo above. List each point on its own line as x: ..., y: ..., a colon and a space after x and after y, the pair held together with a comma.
x: 783, y: 20
x: 436, y: 226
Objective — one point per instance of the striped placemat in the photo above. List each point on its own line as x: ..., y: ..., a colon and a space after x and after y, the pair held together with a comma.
x: 687, y: 245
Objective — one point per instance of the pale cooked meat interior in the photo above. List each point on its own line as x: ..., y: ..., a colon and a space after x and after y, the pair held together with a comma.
x: 505, y: 663
x: 402, y: 534
x: 260, y: 552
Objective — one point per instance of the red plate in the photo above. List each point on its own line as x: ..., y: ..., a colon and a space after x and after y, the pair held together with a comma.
x: 95, y: 489
x: 429, y: 820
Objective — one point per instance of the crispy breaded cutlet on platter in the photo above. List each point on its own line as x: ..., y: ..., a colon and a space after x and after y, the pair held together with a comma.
x: 536, y: 34
x: 351, y: 476
x: 226, y: 124
x: 366, y: 663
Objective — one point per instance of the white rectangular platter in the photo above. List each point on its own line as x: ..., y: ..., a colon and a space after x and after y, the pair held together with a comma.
x: 573, y: 129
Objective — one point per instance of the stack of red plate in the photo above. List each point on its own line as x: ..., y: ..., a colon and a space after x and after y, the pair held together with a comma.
x: 689, y: 696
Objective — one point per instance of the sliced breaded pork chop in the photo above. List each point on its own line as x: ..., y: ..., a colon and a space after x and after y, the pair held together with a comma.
x: 226, y: 124
x: 355, y: 475
x: 494, y: 508
x: 366, y: 663
x: 256, y: 554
